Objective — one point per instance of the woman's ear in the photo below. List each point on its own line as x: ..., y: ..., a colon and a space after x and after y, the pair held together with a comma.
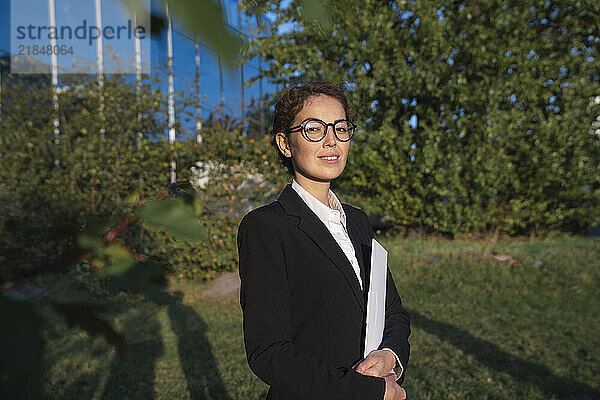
x: 283, y: 143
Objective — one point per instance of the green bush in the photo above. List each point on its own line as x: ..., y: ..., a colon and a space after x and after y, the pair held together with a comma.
x: 109, y: 163
x: 500, y: 96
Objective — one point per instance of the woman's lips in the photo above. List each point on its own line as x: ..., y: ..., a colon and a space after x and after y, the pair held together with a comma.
x: 330, y: 159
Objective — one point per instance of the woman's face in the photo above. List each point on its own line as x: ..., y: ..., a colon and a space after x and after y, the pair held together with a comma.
x: 316, y: 161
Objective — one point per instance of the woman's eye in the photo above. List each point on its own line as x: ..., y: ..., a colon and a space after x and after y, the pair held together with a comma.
x: 343, y: 130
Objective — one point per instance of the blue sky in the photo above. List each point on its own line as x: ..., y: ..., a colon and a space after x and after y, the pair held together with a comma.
x: 70, y: 12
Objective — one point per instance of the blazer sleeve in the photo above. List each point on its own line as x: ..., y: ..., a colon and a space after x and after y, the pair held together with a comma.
x: 397, y: 325
x: 265, y: 301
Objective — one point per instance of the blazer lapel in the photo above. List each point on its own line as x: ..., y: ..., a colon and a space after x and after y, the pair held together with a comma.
x: 358, y: 249
x: 311, y: 225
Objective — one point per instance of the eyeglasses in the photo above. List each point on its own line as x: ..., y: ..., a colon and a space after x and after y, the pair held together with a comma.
x: 314, y: 130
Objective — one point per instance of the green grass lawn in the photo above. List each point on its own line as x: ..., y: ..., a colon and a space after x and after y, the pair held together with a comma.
x: 481, y: 330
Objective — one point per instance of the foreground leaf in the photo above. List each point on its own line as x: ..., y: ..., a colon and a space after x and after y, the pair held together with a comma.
x: 174, y: 216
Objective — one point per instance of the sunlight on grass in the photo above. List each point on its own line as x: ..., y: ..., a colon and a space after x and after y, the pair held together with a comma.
x: 482, y: 329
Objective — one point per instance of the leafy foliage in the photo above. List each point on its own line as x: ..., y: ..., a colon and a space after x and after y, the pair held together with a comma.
x: 110, y: 161
x: 475, y: 116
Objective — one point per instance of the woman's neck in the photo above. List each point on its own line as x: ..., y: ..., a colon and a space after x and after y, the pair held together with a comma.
x: 319, y: 189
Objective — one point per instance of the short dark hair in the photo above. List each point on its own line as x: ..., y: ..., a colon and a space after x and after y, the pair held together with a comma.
x: 292, y: 101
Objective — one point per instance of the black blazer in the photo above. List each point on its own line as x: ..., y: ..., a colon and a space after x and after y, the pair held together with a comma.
x: 304, y: 311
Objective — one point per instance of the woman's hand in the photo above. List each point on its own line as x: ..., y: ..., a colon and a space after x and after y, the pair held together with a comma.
x: 393, y: 391
x: 378, y: 363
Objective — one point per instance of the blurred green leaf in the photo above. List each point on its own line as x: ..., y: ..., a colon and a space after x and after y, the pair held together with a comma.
x: 120, y: 260
x: 97, y: 225
x: 174, y: 216
x: 87, y: 241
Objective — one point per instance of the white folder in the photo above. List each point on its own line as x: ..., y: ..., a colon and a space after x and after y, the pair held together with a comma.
x: 376, y: 298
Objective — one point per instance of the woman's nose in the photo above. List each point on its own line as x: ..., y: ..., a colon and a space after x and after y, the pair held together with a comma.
x: 329, y: 139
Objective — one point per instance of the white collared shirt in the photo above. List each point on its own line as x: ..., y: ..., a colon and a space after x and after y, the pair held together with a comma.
x: 334, y: 219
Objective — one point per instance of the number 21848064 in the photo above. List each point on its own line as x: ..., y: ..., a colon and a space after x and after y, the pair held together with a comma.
x: 35, y: 50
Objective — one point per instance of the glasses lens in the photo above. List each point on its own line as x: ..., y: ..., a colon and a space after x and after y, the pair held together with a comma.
x: 314, y: 130
x: 344, y: 130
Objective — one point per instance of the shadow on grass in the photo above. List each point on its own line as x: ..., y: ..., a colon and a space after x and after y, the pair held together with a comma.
x: 197, y: 361
x: 133, y: 373
x: 490, y: 355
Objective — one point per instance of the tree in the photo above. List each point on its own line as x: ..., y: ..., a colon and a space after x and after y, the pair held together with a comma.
x: 473, y: 115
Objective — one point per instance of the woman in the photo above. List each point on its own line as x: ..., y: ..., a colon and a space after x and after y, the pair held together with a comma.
x: 304, y: 267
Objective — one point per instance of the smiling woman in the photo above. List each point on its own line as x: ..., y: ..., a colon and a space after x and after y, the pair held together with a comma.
x: 317, y: 155
x: 304, y: 264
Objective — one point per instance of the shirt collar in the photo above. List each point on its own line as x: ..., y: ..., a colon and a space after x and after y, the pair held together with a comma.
x: 322, y: 211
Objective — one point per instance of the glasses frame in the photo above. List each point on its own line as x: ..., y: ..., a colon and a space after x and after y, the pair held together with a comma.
x: 302, y: 128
